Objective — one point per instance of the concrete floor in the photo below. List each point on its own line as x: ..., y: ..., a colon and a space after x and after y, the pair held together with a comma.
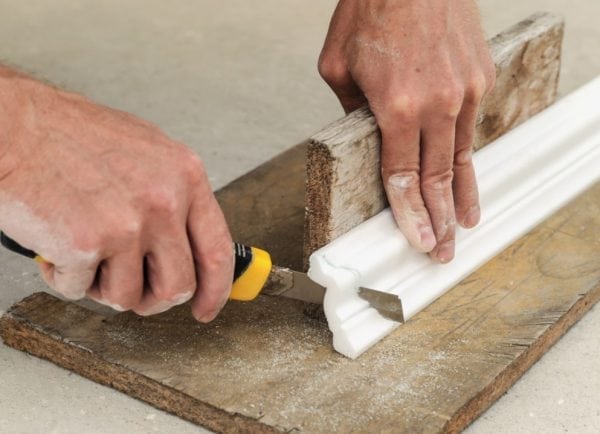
x: 237, y: 81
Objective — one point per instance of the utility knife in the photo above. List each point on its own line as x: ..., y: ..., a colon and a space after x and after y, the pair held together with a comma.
x: 255, y: 273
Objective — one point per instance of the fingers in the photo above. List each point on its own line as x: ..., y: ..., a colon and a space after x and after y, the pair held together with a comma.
x: 401, y: 176
x: 120, y: 281
x: 427, y: 164
x: 148, y: 284
x: 466, y: 196
x: 170, y: 275
x: 212, y: 249
x: 436, y: 183
x: 417, y: 170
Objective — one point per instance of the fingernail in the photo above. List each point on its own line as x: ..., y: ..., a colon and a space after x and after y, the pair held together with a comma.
x: 428, y: 240
x: 446, y: 252
x: 472, y: 217
x: 208, y: 316
x: 212, y: 314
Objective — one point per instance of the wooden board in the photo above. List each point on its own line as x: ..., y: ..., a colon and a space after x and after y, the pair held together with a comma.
x: 344, y: 184
x: 265, y: 366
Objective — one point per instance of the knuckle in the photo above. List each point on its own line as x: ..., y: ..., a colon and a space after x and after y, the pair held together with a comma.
x: 448, y: 228
x: 119, y: 236
x: 219, y: 259
x: 437, y: 181
x: 446, y: 231
x: 463, y: 157
x: 400, y: 179
x: 87, y: 241
x: 129, y: 229
x: 116, y: 232
x: 334, y: 71
x: 403, y: 106
x: 191, y: 164
x: 475, y: 89
x: 449, y: 98
x: 162, y: 201
x: 86, y: 238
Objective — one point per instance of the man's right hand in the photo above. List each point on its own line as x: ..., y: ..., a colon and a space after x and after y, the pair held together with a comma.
x: 121, y: 212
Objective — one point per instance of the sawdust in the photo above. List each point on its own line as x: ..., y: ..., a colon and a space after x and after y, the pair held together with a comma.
x: 268, y: 355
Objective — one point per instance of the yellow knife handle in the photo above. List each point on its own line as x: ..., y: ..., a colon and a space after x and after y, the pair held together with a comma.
x: 252, y: 267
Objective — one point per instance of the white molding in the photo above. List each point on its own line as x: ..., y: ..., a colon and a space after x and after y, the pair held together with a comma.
x: 523, y: 177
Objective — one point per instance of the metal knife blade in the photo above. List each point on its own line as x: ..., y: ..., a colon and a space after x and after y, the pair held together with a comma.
x: 294, y: 284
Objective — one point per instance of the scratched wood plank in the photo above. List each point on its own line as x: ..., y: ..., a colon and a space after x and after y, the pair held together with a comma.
x: 344, y: 184
x: 265, y: 366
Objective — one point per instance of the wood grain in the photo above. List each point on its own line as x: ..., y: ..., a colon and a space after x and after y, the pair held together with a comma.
x: 344, y: 184
x: 265, y: 366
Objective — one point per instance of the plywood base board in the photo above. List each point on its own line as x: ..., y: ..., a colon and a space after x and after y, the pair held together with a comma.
x: 265, y: 366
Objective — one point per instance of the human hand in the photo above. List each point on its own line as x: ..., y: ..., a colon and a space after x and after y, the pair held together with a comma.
x: 423, y: 66
x: 121, y: 212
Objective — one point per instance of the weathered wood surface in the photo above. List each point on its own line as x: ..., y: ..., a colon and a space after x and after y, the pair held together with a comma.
x: 264, y: 366
x: 344, y: 184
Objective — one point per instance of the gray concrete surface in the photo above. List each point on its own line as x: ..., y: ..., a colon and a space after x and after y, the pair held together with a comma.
x: 237, y: 81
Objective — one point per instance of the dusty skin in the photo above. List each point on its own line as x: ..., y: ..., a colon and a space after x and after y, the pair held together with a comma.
x: 122, y: 213
x: 423, y: 67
